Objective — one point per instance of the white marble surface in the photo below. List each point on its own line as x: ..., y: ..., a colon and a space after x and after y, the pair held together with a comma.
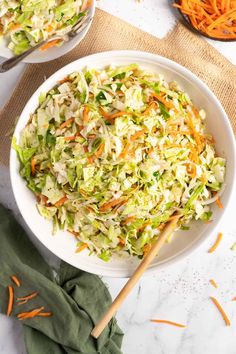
x: 179, y: 293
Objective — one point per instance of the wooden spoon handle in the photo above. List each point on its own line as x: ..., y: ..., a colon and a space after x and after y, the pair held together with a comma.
x: 135, y: 278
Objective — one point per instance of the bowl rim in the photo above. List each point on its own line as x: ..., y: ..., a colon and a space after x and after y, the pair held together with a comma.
x: 139, y: 55
x: 60, y: 51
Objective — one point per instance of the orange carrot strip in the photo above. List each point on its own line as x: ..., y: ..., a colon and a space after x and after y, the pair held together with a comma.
x: 118, y: 114
x: 125, y: 151
x: 137, y: 135
x: 90, y: 160
x: 44, y: 314
x: 66, y: 123
x: 99, y: 152
x: 162, y: 100
x: 10, y: 300
x: 22, y: 302
x: 61, y: 201
x: 110, y: 204
x: 33, y: 164
x: 50, y: 44
x: 129, y: 220
x: 213, y: 283
x: 16, y: 280
x: 27, y: 297
x: 81, y: 248
x: 169, y: 322
x: 216, y: 244
x: 219, y: 204
x: 86, y: 114
x: 29, y: 314
x: 222, y: 312
x: 234, y: 298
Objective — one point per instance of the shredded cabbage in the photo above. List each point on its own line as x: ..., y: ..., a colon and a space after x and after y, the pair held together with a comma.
x: 115, y: 176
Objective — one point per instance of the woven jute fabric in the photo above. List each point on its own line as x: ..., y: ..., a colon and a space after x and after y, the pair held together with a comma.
x: 110, y: 33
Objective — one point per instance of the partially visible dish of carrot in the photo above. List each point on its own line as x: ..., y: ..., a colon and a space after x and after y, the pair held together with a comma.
x: 215, y: 18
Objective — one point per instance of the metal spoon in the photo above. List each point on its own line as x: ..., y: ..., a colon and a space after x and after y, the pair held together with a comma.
x: 76, y: 29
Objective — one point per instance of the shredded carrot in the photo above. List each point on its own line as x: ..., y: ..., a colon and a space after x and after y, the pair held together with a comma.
x: 29, y: 314
x: 16, y: 280
x: 10, y: 300
x: 121, y: 241
x: 191, y: 169
x: 110, y: 204
x: 220, y: 308
x: 27, y: 297
x: 60, y: 202
x: 219, y: 204
x: 22, y: 302
x: 129, y: 220
x: 118, y: 114
x: 137, y: 134
x: 81, y: 248
x: 73, y: 137
x: 169, y: 322
x: 216, y: 244
x: 125, y: 151
x: 44, y: 314
x: 15, y: 26
x: 234, y: 298
x: 212, y: 17
x: 213, y: 283
x: 146, y: 248
x: 99, y: 152
x: 151, y: 106
x: 111, y: 117
x: 86, y: 114
x: 66, y: 79
x: 66, y: 123
x: 163, y: 100
x: 33, y: 164
x: 50, y: 44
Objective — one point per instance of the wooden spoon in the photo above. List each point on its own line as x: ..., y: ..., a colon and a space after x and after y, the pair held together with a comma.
x: 100, y: 326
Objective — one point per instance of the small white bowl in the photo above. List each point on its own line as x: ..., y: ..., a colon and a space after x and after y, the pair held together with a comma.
x: 40, y: 56
x: 184, y: 242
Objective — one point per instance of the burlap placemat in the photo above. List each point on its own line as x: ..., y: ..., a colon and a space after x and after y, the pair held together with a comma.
x: 110, y: 33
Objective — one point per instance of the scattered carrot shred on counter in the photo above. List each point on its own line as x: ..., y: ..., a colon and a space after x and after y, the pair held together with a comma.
x: 10, y: 300
x: 81, y: 248
x: 15, y: 280
x: 216, y: 244
x: 221, y: 310
x: 170, y: 323
x: 234, y: 298
x: 27, y: 297
x: 215, y: 18
x: 213, y: 283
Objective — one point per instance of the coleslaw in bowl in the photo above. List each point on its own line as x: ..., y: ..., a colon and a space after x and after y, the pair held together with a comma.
x: 24, y: 24
x: 113, y: 152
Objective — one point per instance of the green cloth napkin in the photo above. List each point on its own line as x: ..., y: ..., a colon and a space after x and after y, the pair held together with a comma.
x: 77, y: 299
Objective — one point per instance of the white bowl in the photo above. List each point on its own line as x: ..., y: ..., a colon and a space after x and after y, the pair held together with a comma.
x: 184, y: 242
x: 40, y: 56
